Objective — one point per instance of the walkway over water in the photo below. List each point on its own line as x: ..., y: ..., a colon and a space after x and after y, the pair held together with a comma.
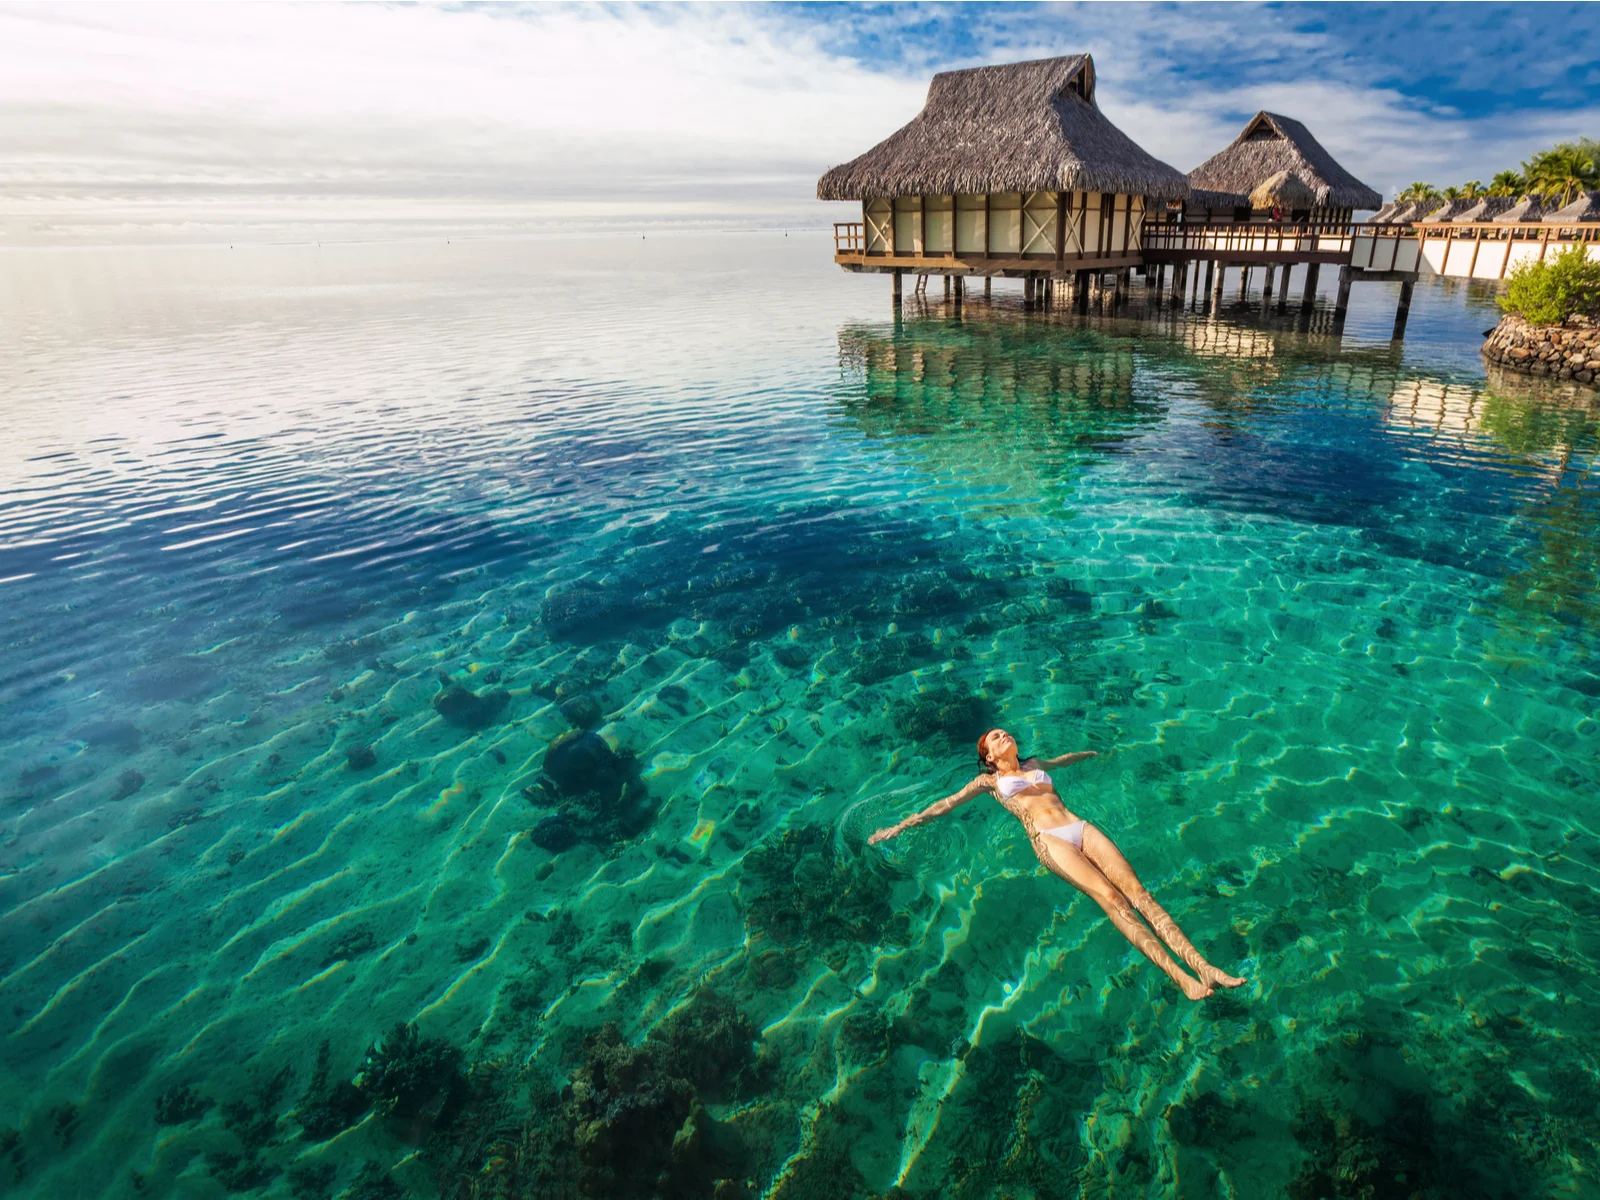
x: 1363, y: 251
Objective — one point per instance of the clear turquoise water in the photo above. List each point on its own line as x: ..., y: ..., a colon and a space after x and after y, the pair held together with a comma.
x: 761, y: 561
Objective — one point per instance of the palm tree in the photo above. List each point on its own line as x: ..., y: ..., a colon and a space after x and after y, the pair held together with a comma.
x: 1561, y: 172
x: 1507, y: 183
x: 1472, y: 189
x: 1419, y: 191
x: 1452, y: 193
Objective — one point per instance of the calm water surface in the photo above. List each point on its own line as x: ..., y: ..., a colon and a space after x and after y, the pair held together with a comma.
x: 518, y: 639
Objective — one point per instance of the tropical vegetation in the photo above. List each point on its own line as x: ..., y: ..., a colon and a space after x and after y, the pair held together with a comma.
x: 1561, y: 172
x: 1550, y: 292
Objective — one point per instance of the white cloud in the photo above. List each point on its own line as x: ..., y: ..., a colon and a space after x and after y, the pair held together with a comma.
x: 728, y: 113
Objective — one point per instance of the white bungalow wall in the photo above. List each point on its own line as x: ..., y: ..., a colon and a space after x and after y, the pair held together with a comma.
x: 1005, y: 223
x: 908, y: 223
x: 972, y: 230
x: 1459, y: 258
x: 941, y: 224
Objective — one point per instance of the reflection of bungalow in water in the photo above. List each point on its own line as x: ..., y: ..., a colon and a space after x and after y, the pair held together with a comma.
x: 1007, y: 170
x: 1275, y: 162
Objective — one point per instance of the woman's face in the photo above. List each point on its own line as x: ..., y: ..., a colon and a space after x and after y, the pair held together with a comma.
x: 998, y: 742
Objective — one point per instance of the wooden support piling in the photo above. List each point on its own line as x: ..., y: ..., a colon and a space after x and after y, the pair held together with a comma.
x: 1216, y: 294
x: 1081, y: 284
x: 896, y: 277
x: 1283, y: 290
x: 1309, y: 299
x: 1120, y: 296
x: 1244, y: 283
x: 1266, y: 289
x: 947, y: 287
x: 1341, y: 303
x: 1404, y: 310
x: 1027, y: 291
x: 988, y: 283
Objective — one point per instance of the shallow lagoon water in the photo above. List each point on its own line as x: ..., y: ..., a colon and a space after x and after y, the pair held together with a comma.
x: 309, y: 556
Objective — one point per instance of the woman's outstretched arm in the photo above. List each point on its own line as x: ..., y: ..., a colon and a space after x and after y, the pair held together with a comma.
x: 937, y: 809
x: 1063, y: 760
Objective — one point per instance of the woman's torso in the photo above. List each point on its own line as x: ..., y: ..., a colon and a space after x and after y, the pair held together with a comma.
x: 1037, y: 802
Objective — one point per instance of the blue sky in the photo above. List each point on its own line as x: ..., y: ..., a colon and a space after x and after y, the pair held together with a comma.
x: 720, y: 115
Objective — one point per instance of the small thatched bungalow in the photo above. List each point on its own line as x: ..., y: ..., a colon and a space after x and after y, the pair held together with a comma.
x: 1529, y: 208
x: 1584, y: 209
x: 1006, y: 170
x: 1484, y: 208
x: 1441, y: 212
x: 1275, y: 163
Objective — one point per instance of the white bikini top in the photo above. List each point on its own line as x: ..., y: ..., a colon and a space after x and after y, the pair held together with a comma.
x: 1009, y: 785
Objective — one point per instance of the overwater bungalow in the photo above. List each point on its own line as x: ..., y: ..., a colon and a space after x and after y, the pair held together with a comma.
x: 1275, y: 163
x: 1008, y: 170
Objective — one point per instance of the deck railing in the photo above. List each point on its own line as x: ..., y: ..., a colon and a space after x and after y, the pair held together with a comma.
x: 1203, y: 237
x: 1515, y: 231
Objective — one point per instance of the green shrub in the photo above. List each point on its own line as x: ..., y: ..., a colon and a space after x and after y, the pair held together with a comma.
x: 1547, y: 293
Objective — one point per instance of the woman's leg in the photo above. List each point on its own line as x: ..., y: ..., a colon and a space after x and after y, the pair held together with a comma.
x: 1103, y: 853
x: 1069, y: 863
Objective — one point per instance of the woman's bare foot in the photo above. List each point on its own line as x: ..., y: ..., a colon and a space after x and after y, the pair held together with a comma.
x: 1193, y: 988
x: 1212, y: 975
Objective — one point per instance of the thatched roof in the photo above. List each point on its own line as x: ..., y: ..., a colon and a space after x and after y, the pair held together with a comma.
x: 1413, y: 210
x: 1269, y: 144
x: 1584, y: 209
x: 1486, y: 208
x: 1449, y: 210
x: 1285, y: 189
x: 1385, y: 215
x: 1206, y: 198
x: 1529, y: 208
x: 1023, y: 127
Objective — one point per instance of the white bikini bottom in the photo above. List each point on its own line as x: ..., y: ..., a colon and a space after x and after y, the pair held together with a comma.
x: 1069, y: 833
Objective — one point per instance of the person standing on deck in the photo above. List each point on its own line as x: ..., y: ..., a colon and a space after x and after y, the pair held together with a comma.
x: 1076, y: 851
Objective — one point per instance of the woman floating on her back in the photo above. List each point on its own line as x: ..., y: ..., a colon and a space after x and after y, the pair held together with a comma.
x: 1076, y: 851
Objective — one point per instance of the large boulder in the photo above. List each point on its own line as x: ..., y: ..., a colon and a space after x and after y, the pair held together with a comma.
x: 468, y: 709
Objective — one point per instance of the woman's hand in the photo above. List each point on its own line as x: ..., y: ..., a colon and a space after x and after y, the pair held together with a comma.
x: 885, y: 834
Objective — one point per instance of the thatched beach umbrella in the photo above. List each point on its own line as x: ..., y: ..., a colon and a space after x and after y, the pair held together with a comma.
x: 1270, y: 145
x: 1021, y: 127
x: 1285, y: 190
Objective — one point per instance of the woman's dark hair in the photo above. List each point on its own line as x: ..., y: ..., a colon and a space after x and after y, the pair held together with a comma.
x: 983, y: 759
